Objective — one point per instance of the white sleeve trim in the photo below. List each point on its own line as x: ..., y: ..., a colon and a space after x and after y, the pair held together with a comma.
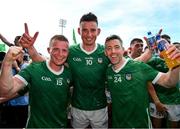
x: 22, y: 79
x: 157, y: 77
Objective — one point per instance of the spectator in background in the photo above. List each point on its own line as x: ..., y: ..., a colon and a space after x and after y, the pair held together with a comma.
x: 5, y: 40
x: 136, y: 48
x: 177, y: 44
x: 169, y: 98
x: 16, y: 110
x: 166, y: 37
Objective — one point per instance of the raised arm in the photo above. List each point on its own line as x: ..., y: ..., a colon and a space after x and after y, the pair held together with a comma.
x: 5, y: 40
x: 171, y: 78
x: 27, y: 42
x: 9, y: 84
x: 145, y: 57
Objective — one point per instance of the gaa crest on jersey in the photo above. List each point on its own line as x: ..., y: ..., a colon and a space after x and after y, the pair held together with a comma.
x: 68, y: 81
x: 110, y: 77
x: 128, y: 76
x: 100, y: 60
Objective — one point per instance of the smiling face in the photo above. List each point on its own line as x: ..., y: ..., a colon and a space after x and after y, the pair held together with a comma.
x: 89, y: 31
x: 58, y: 51
x: 114, y: 51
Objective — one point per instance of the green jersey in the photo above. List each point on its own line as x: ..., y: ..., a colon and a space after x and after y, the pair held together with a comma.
x: 165, y: 95
x: 88, y: 71
x: 48, y: 95
x: 130, y: 99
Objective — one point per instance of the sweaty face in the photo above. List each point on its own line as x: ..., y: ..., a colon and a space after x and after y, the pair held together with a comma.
x: 58, y: 52
x: 114, y: 51
x: 89, y: 32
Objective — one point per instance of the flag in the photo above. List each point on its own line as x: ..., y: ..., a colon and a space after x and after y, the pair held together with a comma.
x: 2, y: 48
x: 74, y: 37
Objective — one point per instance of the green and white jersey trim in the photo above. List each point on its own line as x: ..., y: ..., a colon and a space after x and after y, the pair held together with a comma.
x: 22, y: 79
x: 55, y: 72
x: 119, y: 69
x: 157, y: 77
x: 50, y: 69
x: 88, y: 53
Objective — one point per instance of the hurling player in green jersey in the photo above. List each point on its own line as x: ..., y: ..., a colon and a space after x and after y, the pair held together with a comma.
x: 127, y: 82
x: 169, y: 97
x: 49, y: 83
x: 88, y: 64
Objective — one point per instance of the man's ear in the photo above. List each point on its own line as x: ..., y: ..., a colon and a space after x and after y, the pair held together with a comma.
x: 99, y: 31
x: 105, y: 52
x: 48, y: 49
x: 79, y: 31
x: 129, y: 50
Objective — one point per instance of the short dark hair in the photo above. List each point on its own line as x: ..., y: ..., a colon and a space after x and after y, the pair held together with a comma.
x: 176, y: 43
x: 89, y: 17
x: 135, y: 40
x: 58, y: 37
x: 16, y: 40
x: 112, y: 37
x: 166, y: 37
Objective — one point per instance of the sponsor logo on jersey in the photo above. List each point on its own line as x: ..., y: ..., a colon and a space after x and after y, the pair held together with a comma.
x: 77, y: 59
x: 128, y: 76
x: 46, y: 78
x: 100, y: 60
x: 89, y: 58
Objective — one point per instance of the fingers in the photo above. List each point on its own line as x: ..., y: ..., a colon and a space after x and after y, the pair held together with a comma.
x: 147, y: 43
x: 160, y: 31
x: 26, y: 28
x: 173, y: 52
x: 16, y: 51
x: 26, y: 40
x: 35, y: 36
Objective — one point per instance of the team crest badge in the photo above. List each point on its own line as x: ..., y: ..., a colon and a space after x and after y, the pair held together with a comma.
x: 128, y: 76
x: 68, y: 81
x: 100, y: 60
x: 110, y: 77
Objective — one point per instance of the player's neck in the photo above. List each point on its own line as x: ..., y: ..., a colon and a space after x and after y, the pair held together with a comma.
x: 55, y: 67
x: 89, y: 47
x: 120, y: 64
x: 133, y: 56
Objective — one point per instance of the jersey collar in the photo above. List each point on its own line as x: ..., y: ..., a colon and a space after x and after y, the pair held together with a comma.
x: 88, y: 53
x: 55, y: 72
x: 119, y: 69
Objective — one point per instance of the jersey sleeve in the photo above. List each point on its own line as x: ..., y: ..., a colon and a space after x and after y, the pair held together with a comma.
x: 25, y: 74
x: 149, y: 73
